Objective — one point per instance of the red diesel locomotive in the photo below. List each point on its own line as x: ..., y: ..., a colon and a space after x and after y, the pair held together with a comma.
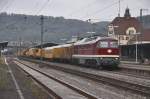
x: 94, y: 51
x: 97, y: 51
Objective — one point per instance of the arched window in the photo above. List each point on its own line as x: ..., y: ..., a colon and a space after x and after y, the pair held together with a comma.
x: 130, y: 31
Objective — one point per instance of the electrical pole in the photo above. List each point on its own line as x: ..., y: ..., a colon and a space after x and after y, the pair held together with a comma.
x: 42, y: 32
x: 141, y: 30
x: 25, y: 22
x: 19, y: 46
x: 119, y: 9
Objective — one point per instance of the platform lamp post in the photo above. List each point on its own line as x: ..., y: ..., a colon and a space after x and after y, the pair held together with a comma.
x: 136, y: 47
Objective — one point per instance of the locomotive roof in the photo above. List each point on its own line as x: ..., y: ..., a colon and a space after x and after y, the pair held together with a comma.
x: 58, y: 46
x: 81, y: 42
x: 92, y: 40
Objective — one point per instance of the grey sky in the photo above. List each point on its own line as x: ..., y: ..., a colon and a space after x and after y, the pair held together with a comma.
x: 77, y: 9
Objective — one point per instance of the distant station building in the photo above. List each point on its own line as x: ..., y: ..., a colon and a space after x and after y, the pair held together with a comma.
x: 125, y: 29
x: 143, y: 46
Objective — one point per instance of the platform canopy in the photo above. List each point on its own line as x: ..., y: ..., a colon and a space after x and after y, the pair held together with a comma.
x: 3, y: 45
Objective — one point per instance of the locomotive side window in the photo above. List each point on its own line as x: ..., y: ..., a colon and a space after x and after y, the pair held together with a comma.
x: 103, y: 44
x: 113, y: 44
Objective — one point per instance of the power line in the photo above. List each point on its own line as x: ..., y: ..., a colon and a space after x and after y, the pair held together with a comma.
x: 86, y: 6
x: 119, y: 9
x: 35, y: 5
x: 104, y: 8
x: 9, y: 4
x: 43, y: 6
x: 4, y: 5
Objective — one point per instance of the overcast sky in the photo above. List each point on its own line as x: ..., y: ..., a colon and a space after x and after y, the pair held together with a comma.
x: 102, y: 10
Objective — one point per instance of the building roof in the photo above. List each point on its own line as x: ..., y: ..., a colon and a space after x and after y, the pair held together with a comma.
x: 123, y: 23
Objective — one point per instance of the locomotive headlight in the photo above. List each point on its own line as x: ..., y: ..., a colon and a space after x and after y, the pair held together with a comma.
x: 116, y: 58
x: 109, y: 50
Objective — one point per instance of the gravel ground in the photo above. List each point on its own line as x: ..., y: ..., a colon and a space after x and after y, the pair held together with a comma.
x: 29, y: 88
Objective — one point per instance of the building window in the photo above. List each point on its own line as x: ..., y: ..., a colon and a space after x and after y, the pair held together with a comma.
x: 110, y: 32
x: 131, y: 32
x: 121, y: 37
x: 127, y: 38
x: 114, y: 44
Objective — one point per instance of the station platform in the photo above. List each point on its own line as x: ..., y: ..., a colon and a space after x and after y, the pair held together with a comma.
x: 15, y: 84
x: 146, y: 63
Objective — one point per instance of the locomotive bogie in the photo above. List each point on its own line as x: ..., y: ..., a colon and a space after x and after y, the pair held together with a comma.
x: 99, y: 61
x: 109, y: 61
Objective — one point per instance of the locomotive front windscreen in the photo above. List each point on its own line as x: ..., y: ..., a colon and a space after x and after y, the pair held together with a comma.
x: 103, y: 44
x: 113, y: 44
x: 108, y: 44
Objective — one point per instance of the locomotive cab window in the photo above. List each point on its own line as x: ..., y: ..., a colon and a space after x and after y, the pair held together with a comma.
x: 103, y: 44
x: 113, y: 44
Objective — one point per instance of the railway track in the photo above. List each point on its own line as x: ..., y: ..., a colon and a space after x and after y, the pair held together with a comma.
x: 137, y: 85
x: 68, y: 91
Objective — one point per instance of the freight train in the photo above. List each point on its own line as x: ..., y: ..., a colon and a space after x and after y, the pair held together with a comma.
x: 94, y: 51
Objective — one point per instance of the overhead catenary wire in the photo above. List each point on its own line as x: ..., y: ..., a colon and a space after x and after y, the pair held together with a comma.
x: 3, y: 5
x: 35, y: 6
x: 8, y: 6
x: 43, y: 6
x: 103, y: 9
x: 84, y: 7
x: 13, y: 23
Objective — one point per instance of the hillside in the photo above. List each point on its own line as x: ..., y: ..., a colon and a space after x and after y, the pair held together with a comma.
x: 14, y: 26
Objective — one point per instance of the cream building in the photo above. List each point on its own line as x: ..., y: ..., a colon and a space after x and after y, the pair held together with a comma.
x: 124, y: 28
